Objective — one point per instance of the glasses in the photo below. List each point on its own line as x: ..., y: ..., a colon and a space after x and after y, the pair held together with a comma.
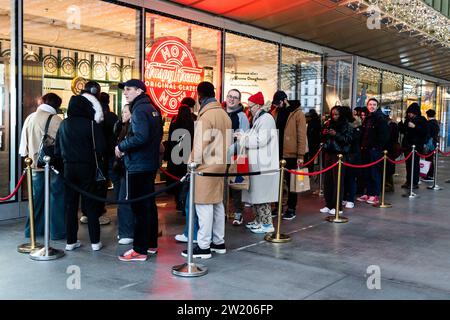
x: 232, y: 97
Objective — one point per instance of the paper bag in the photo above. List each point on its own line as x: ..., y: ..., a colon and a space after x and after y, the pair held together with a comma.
x: 299, y: 183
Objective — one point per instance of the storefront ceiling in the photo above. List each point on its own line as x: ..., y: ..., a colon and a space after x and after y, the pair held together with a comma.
x: 331, y: 23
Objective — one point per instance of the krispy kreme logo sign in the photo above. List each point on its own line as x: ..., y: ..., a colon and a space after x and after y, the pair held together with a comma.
x: 171, y: 73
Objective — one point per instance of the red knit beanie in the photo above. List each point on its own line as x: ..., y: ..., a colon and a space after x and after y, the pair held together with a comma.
x: 257, y: 98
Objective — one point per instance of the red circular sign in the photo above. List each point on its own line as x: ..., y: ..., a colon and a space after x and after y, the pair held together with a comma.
x: 171, y: 73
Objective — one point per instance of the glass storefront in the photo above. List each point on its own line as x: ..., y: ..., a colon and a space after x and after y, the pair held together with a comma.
x: 250, y: 66
x: 411, y: 91
x: 301, y: 77
x: 428, y: 97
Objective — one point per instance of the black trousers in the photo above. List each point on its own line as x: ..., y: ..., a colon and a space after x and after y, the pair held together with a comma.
x: 83, y: 176
x: 145, y: 211
x: 330, y: 181
x: 291, y: 163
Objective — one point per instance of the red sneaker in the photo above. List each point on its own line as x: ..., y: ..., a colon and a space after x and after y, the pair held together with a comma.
x: 373, y: 200
x: 132, y: 255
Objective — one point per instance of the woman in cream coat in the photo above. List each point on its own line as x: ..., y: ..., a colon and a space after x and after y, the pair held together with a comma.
x: 261, y: 142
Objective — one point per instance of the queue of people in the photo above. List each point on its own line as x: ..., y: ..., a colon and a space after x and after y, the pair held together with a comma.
x: 92, y: 145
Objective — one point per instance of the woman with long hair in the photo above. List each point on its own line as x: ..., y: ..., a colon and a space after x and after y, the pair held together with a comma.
x: 337, y: 136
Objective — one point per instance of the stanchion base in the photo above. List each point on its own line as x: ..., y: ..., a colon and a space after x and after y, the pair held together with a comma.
x: 411, y: 196
x: 26, y: 247
x: 339, y: 220
x: 272, y: 237
x: 182, y: 270
x: 39, y: 254
x: 436, y: 187
x: 383, y: 205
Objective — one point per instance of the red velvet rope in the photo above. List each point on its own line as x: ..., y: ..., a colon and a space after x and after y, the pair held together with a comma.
x: 313, y: 158
x: 169, y: 175
x: 312, y: 173
x: 15, y: 190
x: 400, y: 161
x: 445, y: 154
x: 426, y: 155
x: 362, y: 165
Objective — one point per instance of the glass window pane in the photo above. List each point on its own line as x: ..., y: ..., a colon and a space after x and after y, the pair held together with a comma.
x: 392, y: 90
x: 301, y: 74
x: 338, y: 84
x: 369, y: 81
x: 179, y: 55
x: 67, y: 42
x: 411, y: 91
x: 250, y: 66
x: 5, y: 92
x: 428, y: 96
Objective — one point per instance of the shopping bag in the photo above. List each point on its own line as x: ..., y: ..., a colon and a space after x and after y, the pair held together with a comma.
x: 299, y: 183
x: 424, y: 167
x: 239, y: 165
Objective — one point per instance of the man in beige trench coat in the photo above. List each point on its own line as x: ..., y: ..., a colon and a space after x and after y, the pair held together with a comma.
x: 209, y: 151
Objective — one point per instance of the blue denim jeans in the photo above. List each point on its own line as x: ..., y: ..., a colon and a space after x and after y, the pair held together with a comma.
x: 186, y: 227
x: 125, y: 215
x: 57, y: 214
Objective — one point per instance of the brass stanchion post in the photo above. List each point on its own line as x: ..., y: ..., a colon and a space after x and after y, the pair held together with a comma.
x: 46, y: 253
x: 28, y: 247
x: 436, y: 159
x: 190, y: 269
x: 411, y: 193
x: 277, y: 237
x: 383, y: 186
x: 337, y: 218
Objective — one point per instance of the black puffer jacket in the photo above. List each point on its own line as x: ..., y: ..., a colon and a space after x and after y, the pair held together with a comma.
x: 341, y: 142
x: 374, y: 131
x: 414, y: 136
x: 74, y: 138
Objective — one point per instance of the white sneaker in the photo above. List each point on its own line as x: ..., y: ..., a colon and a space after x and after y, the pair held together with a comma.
x: 182, y: 238
x: 263, y: 228
x: 349, y: 205
x: 344, y: 203
x: 73, y: 246
x: 104, y: 220
x: 125, y: 241
x: 84, y: 219
x: 252, y: 224
x: 325, y: 210
x: 96, y: 246
x: 332, y: 212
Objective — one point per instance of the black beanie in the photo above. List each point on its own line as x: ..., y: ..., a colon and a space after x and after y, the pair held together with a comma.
x: 414, y: 108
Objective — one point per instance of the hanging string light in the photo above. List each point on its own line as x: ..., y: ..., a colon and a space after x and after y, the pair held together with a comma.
x: 413, y: 16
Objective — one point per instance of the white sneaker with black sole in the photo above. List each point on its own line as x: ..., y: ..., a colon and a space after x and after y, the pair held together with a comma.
x: 73, y: 246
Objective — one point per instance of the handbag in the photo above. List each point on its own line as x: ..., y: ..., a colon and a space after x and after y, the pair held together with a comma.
x: 98, y: 172
x: 428, y: 147
x: 47, y: 146
x: 299, y: 183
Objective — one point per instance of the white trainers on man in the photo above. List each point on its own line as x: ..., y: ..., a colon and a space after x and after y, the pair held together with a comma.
x: 73, y: 246
x: 125, y: 240
x: 349, y: 205
x: 96, y: 246
x: 182, y: 238
x: 104, y: 220
x: 332, y: 212
x: 84, y: 219
x: 263, y: 228
x: 325, y: 210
